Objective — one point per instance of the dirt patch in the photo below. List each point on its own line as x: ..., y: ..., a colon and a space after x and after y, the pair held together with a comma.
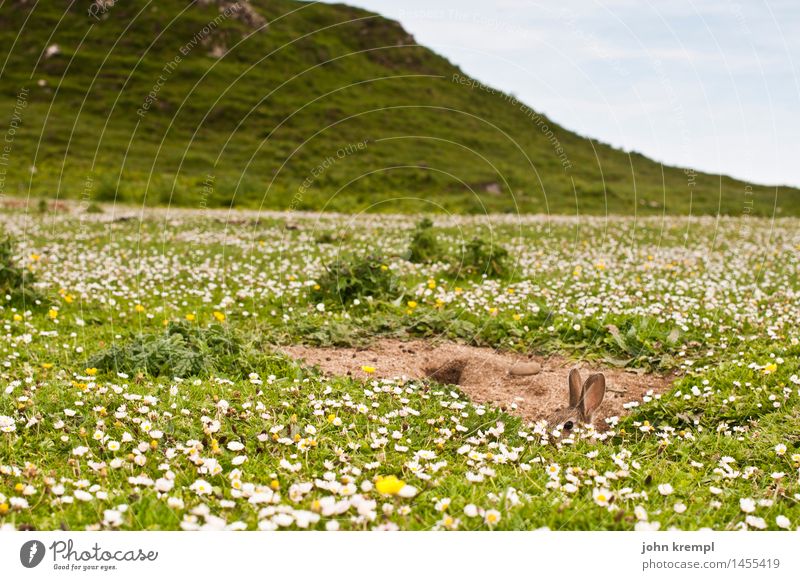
x: 482, y: 374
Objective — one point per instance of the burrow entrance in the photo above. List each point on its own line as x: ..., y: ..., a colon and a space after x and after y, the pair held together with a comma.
x: 482, y: 374
x: 450, y: 373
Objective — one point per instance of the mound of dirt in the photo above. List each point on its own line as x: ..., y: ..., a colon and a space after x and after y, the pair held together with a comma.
x: 483, y: 374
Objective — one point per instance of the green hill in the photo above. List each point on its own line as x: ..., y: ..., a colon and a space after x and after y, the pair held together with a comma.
x: 286, y: 104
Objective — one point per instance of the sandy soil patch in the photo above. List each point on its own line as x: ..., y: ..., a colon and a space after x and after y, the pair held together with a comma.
x: 482, y: 374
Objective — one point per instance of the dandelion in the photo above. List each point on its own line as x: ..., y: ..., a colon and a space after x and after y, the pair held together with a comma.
x: 389, y: 485
x: 190, y: 317
x: 92, y: 371
x: 368, y: 369
x: 219, y: 316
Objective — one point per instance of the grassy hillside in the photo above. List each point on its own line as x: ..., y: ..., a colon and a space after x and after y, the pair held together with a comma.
x: 287, y: 104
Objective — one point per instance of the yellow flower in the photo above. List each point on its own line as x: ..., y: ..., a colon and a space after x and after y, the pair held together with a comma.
x: 389, y: 485
x: 17, y: 317
x: 458, y: 290
x: 412, y: 304
x: 770, y: 368
x: 35, y: 257
x: 517, y: 317
x: 19, y: 487
x: 190, y: 317
x: 47, y: 365
x: 431, y: 283
x: 91, y: 371
x: 52, y: 313
x: 219, y: 316
x: 384, y: 267
x: 69, y: 298
x: 275, y: 484
x: 139, y: 308
x: 3, y: 509
x: 368, y: 369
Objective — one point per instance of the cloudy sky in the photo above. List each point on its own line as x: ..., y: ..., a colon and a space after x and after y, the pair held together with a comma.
x: 708, y: 84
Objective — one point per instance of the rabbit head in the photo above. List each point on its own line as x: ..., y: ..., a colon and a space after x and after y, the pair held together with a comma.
x: 584, y: 398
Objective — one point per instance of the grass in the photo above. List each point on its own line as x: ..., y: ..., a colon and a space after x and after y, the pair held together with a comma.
x: 328, y: 107
x: 98, y: 431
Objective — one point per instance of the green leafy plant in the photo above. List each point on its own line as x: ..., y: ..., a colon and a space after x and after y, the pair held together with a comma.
x: 182, y: 350
x: 16, y: 282
x: 481, y: 257
x: 356, y: 277
x: 425, y: 246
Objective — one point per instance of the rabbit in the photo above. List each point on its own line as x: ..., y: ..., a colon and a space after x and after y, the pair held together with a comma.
x: 583, y: 401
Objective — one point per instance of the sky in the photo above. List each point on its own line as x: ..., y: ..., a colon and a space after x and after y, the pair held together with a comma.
x: 713, y: 85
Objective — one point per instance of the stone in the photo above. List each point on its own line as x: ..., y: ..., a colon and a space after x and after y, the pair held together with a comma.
x: 525, y: 369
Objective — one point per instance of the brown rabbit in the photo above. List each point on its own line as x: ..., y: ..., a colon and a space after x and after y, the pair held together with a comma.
x: 583, y: 401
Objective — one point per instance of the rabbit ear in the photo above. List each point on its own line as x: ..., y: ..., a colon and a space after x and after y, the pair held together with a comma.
x: 594, y: 389
x: 574, y: 387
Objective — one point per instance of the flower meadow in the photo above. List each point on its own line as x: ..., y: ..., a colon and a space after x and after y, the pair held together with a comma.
x: 143, y: 385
